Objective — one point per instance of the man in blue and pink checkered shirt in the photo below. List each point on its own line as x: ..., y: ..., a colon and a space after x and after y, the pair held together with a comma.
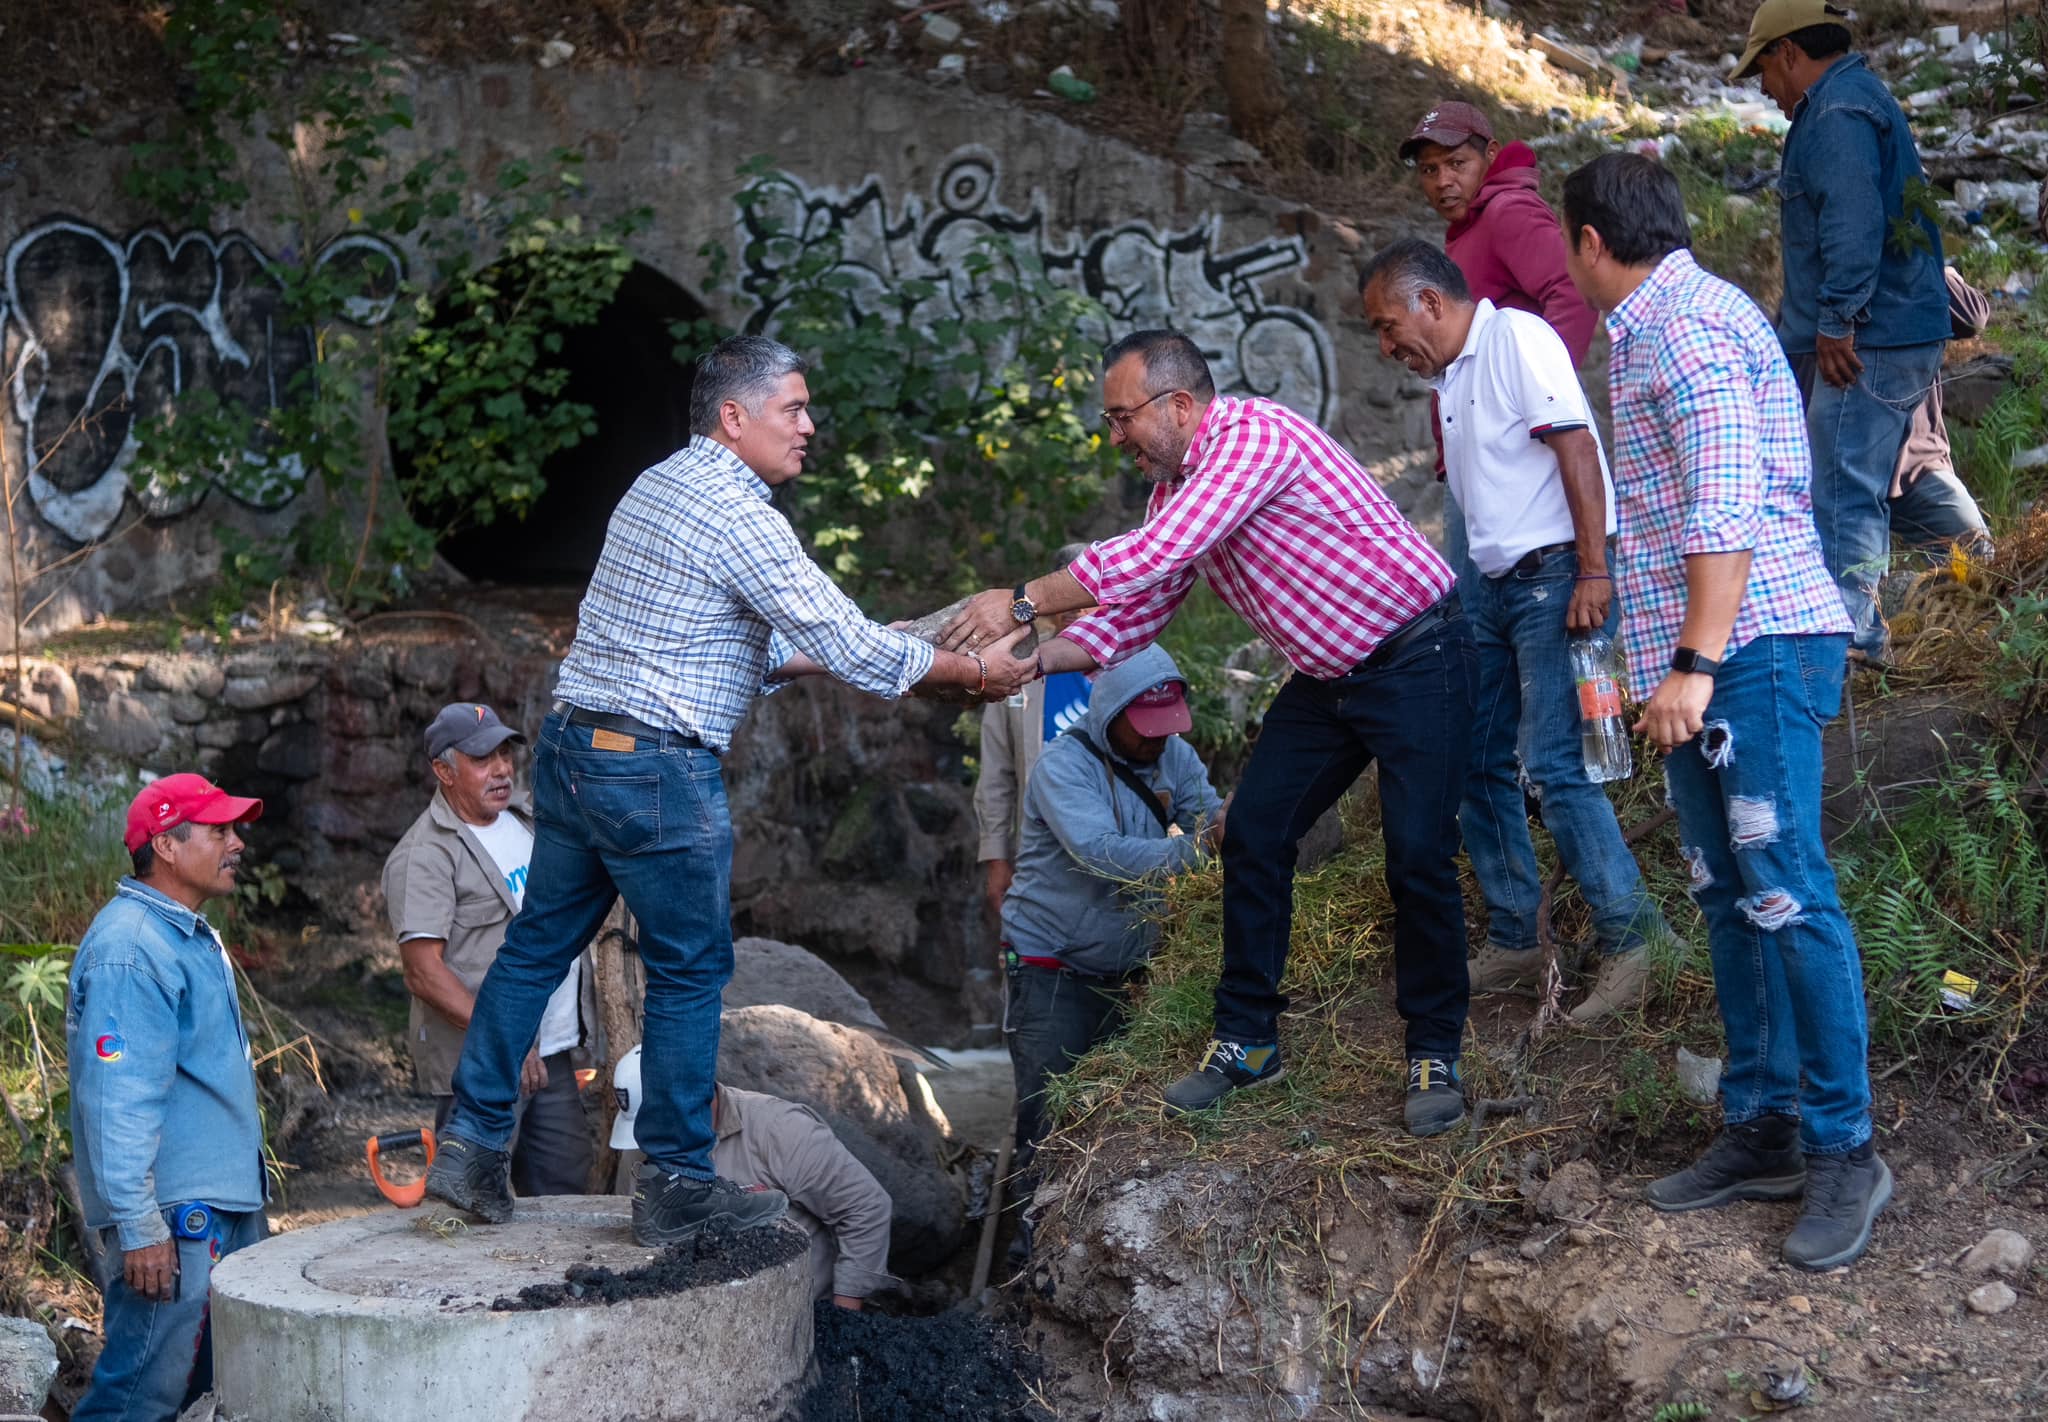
x: 1729, y: 613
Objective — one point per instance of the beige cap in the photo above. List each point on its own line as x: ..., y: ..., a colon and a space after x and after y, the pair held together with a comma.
x: 1774, y: 19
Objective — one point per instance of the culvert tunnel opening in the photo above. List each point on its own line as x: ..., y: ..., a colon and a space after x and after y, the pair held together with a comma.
x: 623, y: 366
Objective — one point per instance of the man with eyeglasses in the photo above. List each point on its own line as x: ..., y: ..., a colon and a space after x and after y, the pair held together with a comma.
x: 1303, y: 544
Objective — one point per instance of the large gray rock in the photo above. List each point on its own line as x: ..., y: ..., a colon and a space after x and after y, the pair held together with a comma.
x: 767, y: 973
x: 28, y: 1363
x: 844, y: 1075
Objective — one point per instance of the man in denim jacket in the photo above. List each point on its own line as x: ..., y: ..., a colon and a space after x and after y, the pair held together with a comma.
x: 1864, y: 293
x: 164, y: 1120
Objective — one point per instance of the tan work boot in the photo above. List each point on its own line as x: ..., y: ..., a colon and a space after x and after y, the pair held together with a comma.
x: 1623, y: 982
x: 1506, y: 970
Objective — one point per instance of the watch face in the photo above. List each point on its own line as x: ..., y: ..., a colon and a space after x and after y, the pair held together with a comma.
x: 1023, y: 611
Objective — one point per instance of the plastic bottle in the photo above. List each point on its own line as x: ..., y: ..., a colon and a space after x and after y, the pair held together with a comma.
x: 1603, y: 735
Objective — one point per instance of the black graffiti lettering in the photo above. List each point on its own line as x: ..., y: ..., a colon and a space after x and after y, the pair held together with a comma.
x: 1141, y: 274
x: 103, y: 334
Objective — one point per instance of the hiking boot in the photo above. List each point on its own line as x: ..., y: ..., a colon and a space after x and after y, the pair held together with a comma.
x: 1756, y: 1160
x: 669, y: 1209
x: 1436, y: 1102
x: 1843, y: 1195
x: 1515, y: 970
x: 1226, y: 1067
x: 1623, y: 982
x: 472, y: 1177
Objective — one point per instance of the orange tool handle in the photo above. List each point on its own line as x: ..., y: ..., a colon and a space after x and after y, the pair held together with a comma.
x: 403, y: 1196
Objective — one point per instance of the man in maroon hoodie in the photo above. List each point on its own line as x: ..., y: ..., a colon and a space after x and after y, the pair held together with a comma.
x: 1502, y: 235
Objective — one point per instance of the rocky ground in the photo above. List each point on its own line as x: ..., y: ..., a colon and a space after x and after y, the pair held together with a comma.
x: 1222, y: 1279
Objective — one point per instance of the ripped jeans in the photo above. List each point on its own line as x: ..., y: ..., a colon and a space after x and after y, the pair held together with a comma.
x: 1786, y: 968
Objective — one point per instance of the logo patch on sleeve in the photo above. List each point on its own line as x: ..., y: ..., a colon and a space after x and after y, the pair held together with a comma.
x: 109, y: 1046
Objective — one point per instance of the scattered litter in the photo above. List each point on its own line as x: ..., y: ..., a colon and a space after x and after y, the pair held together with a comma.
x: 556, y: 52
x: 1699, y: 1078
x: 1068, y: 85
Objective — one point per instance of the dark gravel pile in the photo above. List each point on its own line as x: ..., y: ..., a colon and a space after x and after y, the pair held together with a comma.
x: 952, y: 1365
x: 713, y: 1257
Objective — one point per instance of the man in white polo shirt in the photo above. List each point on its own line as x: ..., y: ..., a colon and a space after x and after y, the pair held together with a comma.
x: 1526, y: 469
x: 452, y: 886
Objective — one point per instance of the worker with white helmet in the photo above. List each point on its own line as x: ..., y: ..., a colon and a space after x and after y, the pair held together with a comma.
x: 766, y: 1141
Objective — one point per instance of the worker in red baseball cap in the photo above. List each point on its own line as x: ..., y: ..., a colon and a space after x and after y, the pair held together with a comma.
x: 1501, y: 233
x: 167, y: 1137
x: 186, y: 867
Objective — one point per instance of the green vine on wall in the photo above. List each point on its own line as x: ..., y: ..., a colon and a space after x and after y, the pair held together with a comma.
x: 456, y: 371
x: 972, y: 405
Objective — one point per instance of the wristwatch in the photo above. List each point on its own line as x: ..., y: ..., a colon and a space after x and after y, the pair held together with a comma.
x: 1685, y: 659
x: 1023, y: 610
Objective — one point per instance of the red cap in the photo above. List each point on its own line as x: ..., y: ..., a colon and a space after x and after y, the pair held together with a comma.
x: 184, y: 800
x: 1448, y: 124
x: 1160, y: 710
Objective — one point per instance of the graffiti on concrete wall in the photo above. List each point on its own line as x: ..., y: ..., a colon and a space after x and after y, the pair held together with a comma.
x: 101, y: 334
x: 1143, y: 275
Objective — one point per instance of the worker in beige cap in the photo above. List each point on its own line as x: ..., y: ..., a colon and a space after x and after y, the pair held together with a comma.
x: 1866, y: 306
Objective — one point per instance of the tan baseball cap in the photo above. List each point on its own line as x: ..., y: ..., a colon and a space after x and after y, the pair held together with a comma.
x: 1774, y: 19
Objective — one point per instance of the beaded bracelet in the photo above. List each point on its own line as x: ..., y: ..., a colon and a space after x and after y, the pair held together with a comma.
x: 981, y: 690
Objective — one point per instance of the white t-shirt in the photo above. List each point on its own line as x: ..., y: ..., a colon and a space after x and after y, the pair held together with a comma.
x: 510, y: 845
x: 1512, y: 384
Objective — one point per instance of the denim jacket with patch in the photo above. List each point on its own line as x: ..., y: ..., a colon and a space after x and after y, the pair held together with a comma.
x: 1841, y: 189
x: 163, y: 1091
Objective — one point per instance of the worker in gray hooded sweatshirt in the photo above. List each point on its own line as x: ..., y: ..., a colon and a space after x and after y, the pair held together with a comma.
x: 1115, y: 805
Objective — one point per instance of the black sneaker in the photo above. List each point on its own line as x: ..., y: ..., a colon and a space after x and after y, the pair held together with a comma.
x: 1226, y: 1067
x: 1756, y: 1160
x: 1436, y: 1101
x: 472, y: 1177
x: 669, y: 1209
x: 1843, y: 1196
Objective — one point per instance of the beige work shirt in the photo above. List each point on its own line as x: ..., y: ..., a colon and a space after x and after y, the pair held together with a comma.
x: 764, y: 1140
x: 1011, y: 739
x: 440, y: 882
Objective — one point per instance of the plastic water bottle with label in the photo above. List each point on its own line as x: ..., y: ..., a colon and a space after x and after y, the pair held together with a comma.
x: 1603, y: 735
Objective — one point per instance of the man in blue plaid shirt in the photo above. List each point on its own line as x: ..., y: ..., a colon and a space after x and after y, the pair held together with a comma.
x: 1728, y: 608
x: 702, y: 599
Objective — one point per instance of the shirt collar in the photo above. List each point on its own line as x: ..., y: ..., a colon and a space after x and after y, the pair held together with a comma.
x: 1482, y: 314
x: 1847, y: 61
x: 1210, y: 421
x: 1646, y: 302
x: 729, y: 1122
x: 710, y: 454
x: 161, y: 903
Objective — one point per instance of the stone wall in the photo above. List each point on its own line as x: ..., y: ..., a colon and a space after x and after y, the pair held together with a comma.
x: 853, y: 816
x: 109, y: 317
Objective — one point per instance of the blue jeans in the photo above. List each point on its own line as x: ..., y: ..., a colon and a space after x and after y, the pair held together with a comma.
x: 1412, y: 714
x: 1528, y: 716
x: 650, y: 825
x: 1935, y: 512
x: 1786, y: 969
x: 1856, y: 436
x: 159, y: 1356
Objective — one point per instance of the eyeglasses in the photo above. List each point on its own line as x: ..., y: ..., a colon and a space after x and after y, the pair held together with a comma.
x: 1119, y: 421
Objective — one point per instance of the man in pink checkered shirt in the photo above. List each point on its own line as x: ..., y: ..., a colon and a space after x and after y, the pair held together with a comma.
x: 1729, y: 613
x: 1303, y: 544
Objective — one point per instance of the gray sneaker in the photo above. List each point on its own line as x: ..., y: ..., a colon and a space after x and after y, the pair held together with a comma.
x: 1436, y: 1099
x: 669, y: 1209
x: 1756, y: 1160
x: 1513, y: 970
x: 1226, y: 1067
x: 472, y: 1177
x: 1843, y: 1196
